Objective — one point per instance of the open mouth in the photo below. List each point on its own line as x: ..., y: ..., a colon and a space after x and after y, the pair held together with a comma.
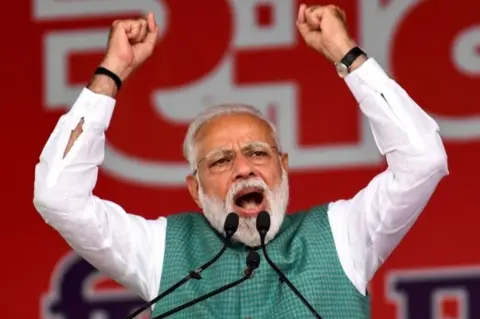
x: 250, y: 201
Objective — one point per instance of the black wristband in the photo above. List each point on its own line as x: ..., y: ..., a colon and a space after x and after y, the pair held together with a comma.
x: 110, y: 74
x: 351, y: 56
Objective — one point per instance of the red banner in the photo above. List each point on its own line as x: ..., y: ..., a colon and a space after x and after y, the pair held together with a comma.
x: 246, y: 51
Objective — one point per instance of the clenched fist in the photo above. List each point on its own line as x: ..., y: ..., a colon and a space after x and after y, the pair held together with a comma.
x: 130, y: 43
x: 324, y: 29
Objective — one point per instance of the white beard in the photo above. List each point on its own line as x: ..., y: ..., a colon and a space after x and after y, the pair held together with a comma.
x: 216, y: 210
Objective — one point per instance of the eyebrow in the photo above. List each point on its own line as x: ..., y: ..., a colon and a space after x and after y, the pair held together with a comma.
x: 225, y: 149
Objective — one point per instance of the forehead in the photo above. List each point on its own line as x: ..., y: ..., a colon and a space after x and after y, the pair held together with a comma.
x: 232, y: 129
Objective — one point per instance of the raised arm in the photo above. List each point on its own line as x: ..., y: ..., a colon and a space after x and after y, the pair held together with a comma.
x: 369, y: 226
x: 123, y: 246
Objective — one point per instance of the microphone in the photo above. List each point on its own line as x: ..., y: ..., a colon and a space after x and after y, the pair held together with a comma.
x: 230, y: 227
x: 253, y: 261
x: 263, y: 225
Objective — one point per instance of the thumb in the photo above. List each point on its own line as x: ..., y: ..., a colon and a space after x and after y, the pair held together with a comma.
x: 118, y: 39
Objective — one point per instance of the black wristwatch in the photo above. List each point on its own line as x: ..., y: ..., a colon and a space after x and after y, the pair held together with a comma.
x: 343, y: 66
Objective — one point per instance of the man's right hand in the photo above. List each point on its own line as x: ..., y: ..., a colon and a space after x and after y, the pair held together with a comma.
x: 130, y: 43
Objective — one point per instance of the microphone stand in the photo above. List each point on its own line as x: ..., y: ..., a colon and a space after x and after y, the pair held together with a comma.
x: 194, y: 274
x: 263, y: 225
x: 230, y: 227
x: 253, y: 261
x: 283, y: 278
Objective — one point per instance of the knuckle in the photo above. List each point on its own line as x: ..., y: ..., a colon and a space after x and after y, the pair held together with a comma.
x: 130, y: 23
x: 331, y: 9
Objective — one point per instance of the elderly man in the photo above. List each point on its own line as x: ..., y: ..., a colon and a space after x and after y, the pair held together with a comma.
x: 328, y: 253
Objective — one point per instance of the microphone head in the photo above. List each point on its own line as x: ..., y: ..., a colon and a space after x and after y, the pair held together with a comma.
x: 263, y: 222
x: 253, y: 260
x: 231, y: 224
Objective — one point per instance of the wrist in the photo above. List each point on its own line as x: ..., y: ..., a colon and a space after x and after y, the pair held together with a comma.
x: 119, y: 68
x: 350, y: 61
x: 342, y: 49
x: 103, y: 84
x: 358, y: 62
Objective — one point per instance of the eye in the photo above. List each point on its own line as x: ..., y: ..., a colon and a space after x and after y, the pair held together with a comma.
x: 220, y: 162
x: 259, y: 153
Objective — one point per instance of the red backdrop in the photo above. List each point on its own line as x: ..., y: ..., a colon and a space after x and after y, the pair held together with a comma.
x: 245, y: 51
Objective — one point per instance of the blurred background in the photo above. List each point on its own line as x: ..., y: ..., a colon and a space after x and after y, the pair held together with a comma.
x: 247, y: 51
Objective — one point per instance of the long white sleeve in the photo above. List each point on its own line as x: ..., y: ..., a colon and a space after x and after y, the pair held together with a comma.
x: 368, y: 227
x: 125, y: 247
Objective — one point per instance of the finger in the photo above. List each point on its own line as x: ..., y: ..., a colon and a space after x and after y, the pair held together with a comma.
x: 134, y: 31
x: 127, y: 25
x: 301, y: 23
x: 118, y: 25
x: 152, y: 32
x: 312, y: 8
x: 119, y: 29
x: 143, y: 31
x: 313, y: 17
x: 139, y: 30
x: 303, y: 28
x: 152, y: 25
x: 342, y: 14
x: 152, y: 36
x: 301, y: 13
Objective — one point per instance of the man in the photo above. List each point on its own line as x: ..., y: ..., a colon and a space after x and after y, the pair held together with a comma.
x: 329, y: 253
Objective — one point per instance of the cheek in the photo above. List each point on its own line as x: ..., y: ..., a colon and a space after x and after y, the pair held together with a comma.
x: 217, y: 187
x: 272, y: 176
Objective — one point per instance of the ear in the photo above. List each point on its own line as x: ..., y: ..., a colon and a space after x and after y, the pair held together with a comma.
x: 193, y: 188
x: 284, y: 161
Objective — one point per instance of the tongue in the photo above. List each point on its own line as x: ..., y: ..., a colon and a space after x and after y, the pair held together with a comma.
x: 248, y: 203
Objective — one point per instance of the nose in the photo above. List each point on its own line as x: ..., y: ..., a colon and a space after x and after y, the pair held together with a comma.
x: 242, y: 168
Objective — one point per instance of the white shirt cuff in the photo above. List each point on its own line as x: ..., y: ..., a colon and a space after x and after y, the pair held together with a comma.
x: 93, y: 108
x: 370, y: 74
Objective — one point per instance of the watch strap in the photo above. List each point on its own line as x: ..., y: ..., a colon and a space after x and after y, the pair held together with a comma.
x: 351, y: 56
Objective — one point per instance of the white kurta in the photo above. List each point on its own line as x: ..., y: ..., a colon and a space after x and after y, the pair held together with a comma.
x: 130, y: 249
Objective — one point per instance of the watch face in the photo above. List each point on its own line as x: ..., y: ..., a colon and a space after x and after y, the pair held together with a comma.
x: 342, y: 70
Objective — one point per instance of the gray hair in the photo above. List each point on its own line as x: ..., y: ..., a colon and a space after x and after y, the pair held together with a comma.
x: 189, y: 144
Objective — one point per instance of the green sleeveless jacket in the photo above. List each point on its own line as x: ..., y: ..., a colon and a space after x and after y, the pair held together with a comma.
x: 303, y: 249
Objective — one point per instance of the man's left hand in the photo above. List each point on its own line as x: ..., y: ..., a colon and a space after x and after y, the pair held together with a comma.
x: 324, y: 29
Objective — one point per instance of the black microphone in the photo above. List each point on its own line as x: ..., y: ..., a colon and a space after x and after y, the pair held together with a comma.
x: 263, y: 225
x: 253, y: 261
x: 230, y: 227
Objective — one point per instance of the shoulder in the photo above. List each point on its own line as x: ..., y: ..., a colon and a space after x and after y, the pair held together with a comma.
x: 338, y: 213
